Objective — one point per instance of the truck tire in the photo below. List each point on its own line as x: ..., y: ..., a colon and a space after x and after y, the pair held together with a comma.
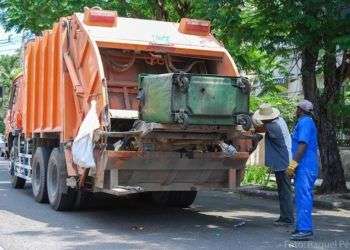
x: 16, y: 182
x: 39, y: 172
x: 174, y: 198
x: 82, y: 200
x: 61, y: 197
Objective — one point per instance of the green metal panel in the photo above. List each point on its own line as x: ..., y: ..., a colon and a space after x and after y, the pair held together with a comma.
x: 211, y: 96
x: 157, y: 104
x: 204, y: 99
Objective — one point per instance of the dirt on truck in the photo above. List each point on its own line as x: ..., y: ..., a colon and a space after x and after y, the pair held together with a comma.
x: 167, y: 110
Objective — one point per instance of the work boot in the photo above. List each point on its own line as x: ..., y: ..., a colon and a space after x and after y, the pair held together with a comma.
x: 283, y: 222
x: 302, y: 236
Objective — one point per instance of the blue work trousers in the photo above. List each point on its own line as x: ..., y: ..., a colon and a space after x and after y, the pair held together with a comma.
x: 303, y: 187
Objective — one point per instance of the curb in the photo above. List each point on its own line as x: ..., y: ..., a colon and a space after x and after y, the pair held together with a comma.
x: 320, y: 201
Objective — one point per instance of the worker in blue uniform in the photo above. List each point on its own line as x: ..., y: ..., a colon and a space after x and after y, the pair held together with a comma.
x: 304, y: 168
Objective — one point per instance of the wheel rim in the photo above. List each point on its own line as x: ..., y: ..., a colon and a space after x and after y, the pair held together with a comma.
x: 52, y: 184
x: 36, y: 178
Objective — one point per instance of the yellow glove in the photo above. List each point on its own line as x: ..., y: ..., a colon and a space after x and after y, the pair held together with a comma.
x: 291, y: 168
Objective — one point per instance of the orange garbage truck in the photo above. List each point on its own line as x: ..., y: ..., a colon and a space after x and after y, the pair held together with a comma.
x: 125, y: 106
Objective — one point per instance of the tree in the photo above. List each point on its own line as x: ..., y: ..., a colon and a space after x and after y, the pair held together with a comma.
x: 284, y: 104
x: 226, y: 19
x: 22, y: 15
x: 9, y: 70
x: 317, y: 31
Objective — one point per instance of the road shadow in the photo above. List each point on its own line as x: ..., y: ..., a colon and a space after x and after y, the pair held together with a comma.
x: 215, y: 219
x: 119, y: 218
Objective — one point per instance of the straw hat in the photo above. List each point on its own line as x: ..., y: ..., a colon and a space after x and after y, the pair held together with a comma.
x: 266, y: 112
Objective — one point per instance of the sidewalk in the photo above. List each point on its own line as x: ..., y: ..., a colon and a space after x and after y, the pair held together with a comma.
x: 325, y: 201
x: 319, y: 182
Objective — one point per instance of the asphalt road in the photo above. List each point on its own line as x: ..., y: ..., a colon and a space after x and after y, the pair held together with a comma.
x: 217, y: 220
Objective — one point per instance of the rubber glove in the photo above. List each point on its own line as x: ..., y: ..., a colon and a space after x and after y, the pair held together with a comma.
x: 291, y: 168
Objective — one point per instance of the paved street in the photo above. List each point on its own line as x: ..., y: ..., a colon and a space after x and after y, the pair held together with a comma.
x: 216, y: 221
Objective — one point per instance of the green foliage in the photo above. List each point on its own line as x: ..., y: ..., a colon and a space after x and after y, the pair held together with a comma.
x: 279, y: 27
x: 255, y: 175
x: 254, y: 31
x: 2, y: 127
x: 232, y: 26
x: 22, y: 15
x: 39, y: 15
x: 285, y: 105
x: 9, y: 69
x: 228, y: 20
x: 263, y: 30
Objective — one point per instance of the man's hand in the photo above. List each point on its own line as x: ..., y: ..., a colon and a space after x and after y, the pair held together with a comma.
x: 291, y: 168
x: 258, y: 126
x: 257, y: 123
x: 255, y: 141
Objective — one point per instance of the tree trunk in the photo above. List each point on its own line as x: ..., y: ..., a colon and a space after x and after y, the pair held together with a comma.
x: 308, y: 73
x: 332, y: 170
x: 161, y: 12
x: 183, y: 8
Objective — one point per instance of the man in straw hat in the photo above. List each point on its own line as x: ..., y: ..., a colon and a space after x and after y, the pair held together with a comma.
x: 277, y: 157
x: 305, y: 167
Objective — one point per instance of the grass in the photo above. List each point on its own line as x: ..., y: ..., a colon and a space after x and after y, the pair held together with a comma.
x: 258, y: 175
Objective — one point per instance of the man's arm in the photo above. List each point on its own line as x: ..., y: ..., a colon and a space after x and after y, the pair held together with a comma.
x: 303, y: 139
x: 258, y: 126
x: 255, y: 141
x: 300, y: 151
x: 260, y: 129
x: 297, y: 157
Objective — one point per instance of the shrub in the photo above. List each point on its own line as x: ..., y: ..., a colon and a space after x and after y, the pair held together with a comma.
x: 285, y: 105
x: 256, y: 175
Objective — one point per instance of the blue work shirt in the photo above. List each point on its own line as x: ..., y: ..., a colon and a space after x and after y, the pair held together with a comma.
x: 277, y: 145
x: 305, y: 131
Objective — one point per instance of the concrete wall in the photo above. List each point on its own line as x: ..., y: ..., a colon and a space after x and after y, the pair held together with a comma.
x: 345, y: 156
x: 258, y: 156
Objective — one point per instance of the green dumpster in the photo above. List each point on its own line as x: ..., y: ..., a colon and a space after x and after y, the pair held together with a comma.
x: 192, y: 99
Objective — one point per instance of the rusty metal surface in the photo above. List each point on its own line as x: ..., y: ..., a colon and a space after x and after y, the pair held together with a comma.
x: 166, y: 170
x: 173, y: 160
x: 165, y: 180
x: 72, y: 169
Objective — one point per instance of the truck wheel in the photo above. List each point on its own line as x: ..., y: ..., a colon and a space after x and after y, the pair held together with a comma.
x: 61, y: 197
x: 83, y: 199
x: 16, y: 182
x: 39, y: 172
x: 174, y: 198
